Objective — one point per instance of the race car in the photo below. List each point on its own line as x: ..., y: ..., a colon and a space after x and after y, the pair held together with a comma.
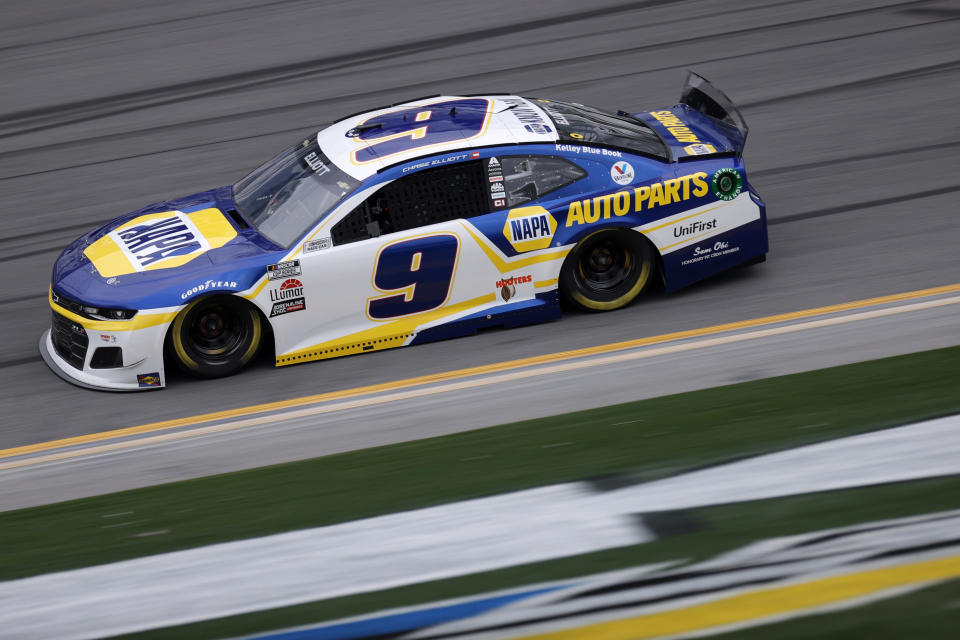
x: 423, y: 220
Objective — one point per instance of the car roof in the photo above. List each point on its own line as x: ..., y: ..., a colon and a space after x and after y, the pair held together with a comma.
x: 363, y: 144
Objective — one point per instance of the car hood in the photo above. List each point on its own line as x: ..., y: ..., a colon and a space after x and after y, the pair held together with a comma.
x: 155, y: 256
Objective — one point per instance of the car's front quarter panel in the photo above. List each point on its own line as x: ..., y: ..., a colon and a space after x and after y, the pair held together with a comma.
x: 72, y: 343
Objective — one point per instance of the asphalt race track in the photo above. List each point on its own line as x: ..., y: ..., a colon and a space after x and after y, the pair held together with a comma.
x: 854, y: 144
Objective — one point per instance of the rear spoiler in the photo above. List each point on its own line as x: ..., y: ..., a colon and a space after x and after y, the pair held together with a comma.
x: 702, y: 96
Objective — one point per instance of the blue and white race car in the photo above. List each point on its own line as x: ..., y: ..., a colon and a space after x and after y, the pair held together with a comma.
x: 419, y: 221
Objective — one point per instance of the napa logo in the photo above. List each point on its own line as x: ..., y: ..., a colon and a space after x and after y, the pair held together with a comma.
x: 159, y: 241
x: 529, y: 228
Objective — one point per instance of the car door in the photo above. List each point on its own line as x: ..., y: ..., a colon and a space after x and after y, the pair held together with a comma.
x: 396, y: 264
x: 529, y: 194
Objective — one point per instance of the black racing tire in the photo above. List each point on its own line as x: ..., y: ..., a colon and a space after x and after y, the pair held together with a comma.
x: 607, y: 270
x: 216, y: 336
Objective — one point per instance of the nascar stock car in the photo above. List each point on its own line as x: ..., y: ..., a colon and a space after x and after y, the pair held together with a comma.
x: 423, y: 220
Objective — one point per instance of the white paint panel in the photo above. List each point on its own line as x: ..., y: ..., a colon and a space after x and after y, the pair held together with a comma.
x: 312, y: 564
x: 507, y: 118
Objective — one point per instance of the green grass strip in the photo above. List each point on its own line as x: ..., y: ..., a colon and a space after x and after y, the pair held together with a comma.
x: 649, y: 439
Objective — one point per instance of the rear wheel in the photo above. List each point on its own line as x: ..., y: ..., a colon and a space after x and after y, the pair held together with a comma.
x: 216, y: 336
x: 607, y: 270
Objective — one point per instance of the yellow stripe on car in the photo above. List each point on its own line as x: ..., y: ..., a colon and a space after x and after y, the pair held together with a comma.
x: 139, y: 321
x: 387, y: 336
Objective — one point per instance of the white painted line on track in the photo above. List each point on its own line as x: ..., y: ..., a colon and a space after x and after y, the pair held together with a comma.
x: 445, y: 541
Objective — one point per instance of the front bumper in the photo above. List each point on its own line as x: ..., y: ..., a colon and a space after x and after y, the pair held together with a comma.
x: 139, y: 341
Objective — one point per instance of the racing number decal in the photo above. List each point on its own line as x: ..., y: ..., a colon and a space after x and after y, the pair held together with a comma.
x: 415, y: 127
x: 417, y: 273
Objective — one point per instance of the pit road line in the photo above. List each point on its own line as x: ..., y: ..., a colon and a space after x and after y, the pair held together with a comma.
x: 561, y: 367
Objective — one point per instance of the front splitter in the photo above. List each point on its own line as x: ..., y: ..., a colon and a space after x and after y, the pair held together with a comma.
x: 46, y: 353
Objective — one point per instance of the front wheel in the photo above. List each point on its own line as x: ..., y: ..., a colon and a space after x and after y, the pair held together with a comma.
x: 216, y: 336
x: 607, y: 270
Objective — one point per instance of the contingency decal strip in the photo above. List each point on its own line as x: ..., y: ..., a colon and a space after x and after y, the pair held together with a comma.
x: 387, y: 336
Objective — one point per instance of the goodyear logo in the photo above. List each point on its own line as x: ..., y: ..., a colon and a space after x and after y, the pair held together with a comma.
x: 159, y: 241
x: 658, y: 194
x: 529, y: 228
x: 675, y: 126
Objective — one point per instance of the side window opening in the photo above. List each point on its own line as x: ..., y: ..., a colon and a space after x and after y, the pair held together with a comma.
x: 424, y: 198
x: 527, y: 178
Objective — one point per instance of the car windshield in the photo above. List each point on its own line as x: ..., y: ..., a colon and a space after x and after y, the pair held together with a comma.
x: 580, y: 123
x: 286, y: 196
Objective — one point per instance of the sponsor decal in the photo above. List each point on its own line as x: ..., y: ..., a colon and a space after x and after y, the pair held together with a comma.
x: 699, y: 149
x: 508, y: 286
x: 317, y: 244
x: 78, y: 329
x: 314, y: 162
x: 529, y: 228
x: 727, y: 184
x: 675, y: 126
x: 474, y: 155
x: 105, y: 338
x: 538, y: 129
x: 499, y: 202
x: 622, y: 172
x: 647, y: 197
x: 207, y: 285
x: 283, y: 269
x: 496, y: 189
x: 288, y: 306
x: 514, y: 280
x: 148, y: 379
x: 557, y: 117
x: 290, y: 288
x: 159, y: 241
x: 694, y: 227
x: 718, y: 249
x: 528, y: 116
x: 152, y: 241
x: 113, y: 280
x: 590, y: 151
x: 495, y: 173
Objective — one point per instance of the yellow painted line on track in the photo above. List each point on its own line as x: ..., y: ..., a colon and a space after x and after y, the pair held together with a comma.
x: 562, y: 367
x: 499, y: 367
x: 770, y: 603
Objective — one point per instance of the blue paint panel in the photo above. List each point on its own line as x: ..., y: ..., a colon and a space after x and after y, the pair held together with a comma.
x: 377, y: 627
x: 716, y: 254
x: 427, y: 264
x: 543, y: 308
x: 242, y: 260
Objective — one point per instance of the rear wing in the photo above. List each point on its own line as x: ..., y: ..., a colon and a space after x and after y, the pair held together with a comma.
x: 705, y: 98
